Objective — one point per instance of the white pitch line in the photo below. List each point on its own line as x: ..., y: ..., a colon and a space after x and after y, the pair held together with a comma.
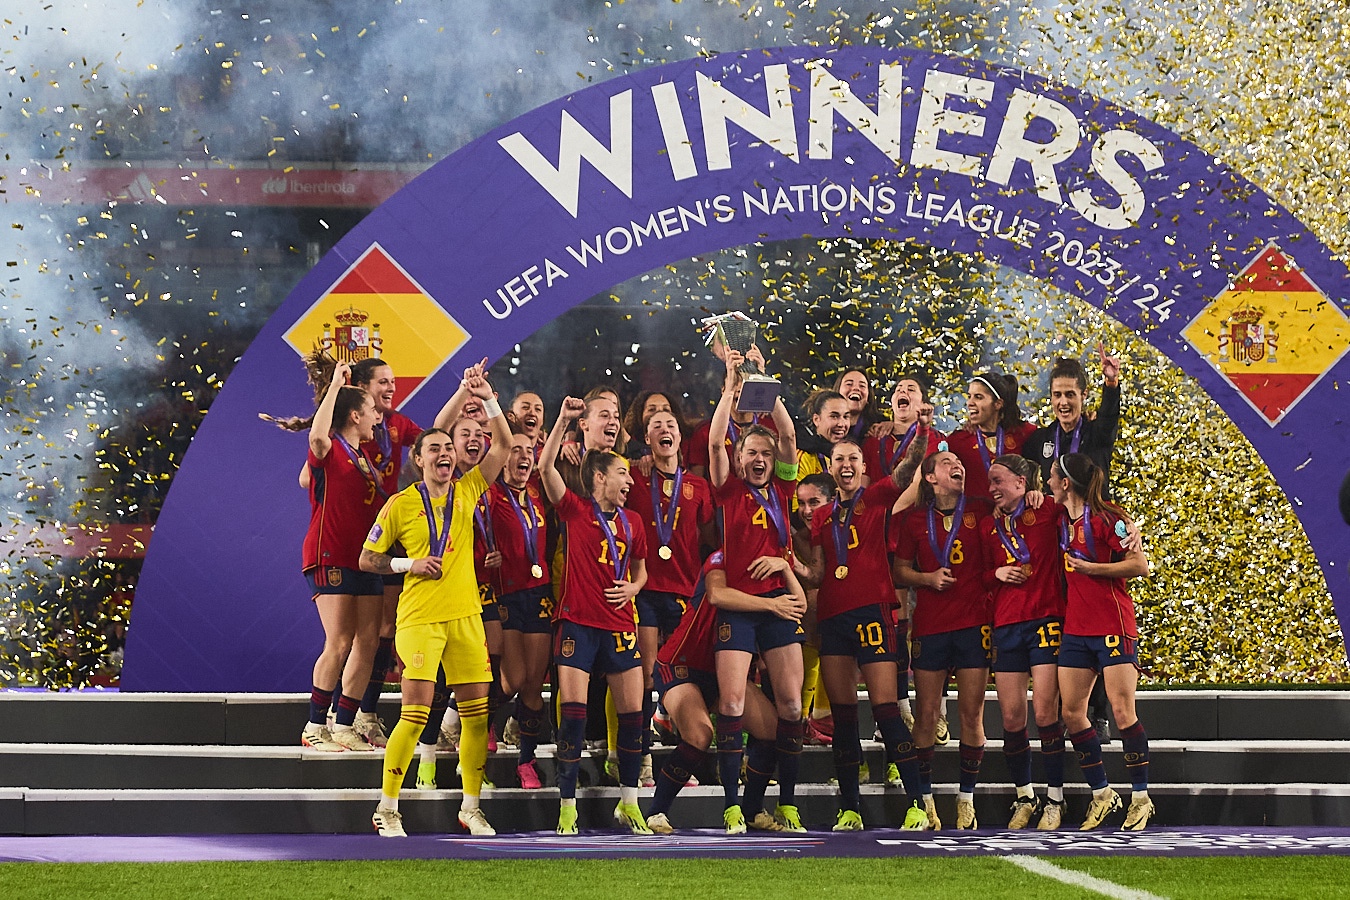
x: 1080, y: 879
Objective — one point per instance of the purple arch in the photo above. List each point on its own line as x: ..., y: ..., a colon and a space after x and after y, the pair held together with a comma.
x: 221, y: 604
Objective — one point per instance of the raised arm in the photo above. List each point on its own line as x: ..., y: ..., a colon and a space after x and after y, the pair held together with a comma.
x: 554, y: 486
x: 787, y: 433
x: 455, y: 405
x: 495, y: 459
x: 719, y: 465
x: 319, y: 441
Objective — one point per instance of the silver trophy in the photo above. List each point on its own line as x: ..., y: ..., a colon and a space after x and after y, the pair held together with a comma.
x: 737, y: 331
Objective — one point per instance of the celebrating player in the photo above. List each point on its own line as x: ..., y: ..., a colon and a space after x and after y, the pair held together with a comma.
x: 686, y: 679
x: 910, y: 414
x: 1021, y: 546
x: 344, y: 495
x: 676, y: 509
x: 940, y: 554
x: 857, y: 628
x: 994, y: 426
x: 439, y: 618
x: 754, y: 504
x: 604, y: 568
x: 1099, y: 632
x: 524, y: 594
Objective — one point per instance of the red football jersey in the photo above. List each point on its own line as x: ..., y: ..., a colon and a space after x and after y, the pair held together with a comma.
x: 693, y: 644
x: 1097, y: 605
x: 511, y: 509
x: 883, y: 454
x: 694, y: 508
x: 588, y: 568
x: 695, y: 450
x: 388, y: 457
x: 749, y: 531
x: 868, y: 580
x: 1042, y: 594
x: 343, y: 504
x: 965, y: 604
x: 965, y: 445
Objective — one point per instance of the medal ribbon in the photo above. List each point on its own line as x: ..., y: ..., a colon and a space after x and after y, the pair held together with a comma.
x: 1073, y: 443
x: 383, y: 441
x: 665, y: 522
x: 770, y: 503
x: 439, y: 542
x: 1066, y: 536
x: 839, y: 529
x: 944, y: 555
x: 620, y: 565
x: 483, y: 522
x: 900, y: 447
x: 529, y: 523
x: 367, y: 470
x: 1007, y: 533
x: 998, y: 446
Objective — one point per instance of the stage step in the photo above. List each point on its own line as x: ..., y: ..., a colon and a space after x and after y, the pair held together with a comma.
x: 276, y: 719
x: 260, y: 811
x: 96, y: 762
x: 169, y: 767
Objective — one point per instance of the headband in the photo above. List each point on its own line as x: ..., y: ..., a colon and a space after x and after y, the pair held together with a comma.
x: 986, y: 382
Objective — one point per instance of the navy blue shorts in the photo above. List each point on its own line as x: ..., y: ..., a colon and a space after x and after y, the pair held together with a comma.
x: 1022, y: 645
x: 529, y: 611
x: 867, y: 634
x: 487, y: 596
x: 665, y: 677
x: 965, y: 648
x: 660, y: 609
x: 594, y: 650
x: 1097, y: 652
x: 337, y: 580
x: 756, y: 631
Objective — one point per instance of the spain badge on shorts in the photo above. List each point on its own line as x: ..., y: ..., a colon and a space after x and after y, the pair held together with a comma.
x: 916, y: 649
x: 724, y: 632
x: 569, y: 647
x: 334, y: 576
x: 681, y: 671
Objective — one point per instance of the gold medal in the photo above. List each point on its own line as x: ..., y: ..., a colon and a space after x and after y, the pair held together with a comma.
x: 1026, y: 569
x: 664, y: 552
x: 841, y: 572
x: 947, y: 523
x: 668, y: 487
x: 537, y: 571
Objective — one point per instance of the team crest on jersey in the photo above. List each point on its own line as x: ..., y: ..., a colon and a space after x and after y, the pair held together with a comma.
x: 859, y: 506
x: 1029, y: 517
x: 681, y: 671
x: 724, y: 632
x: 334, y: 577
x: 688, y: 491
x: 968, y: 520
x: 569, y: 647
